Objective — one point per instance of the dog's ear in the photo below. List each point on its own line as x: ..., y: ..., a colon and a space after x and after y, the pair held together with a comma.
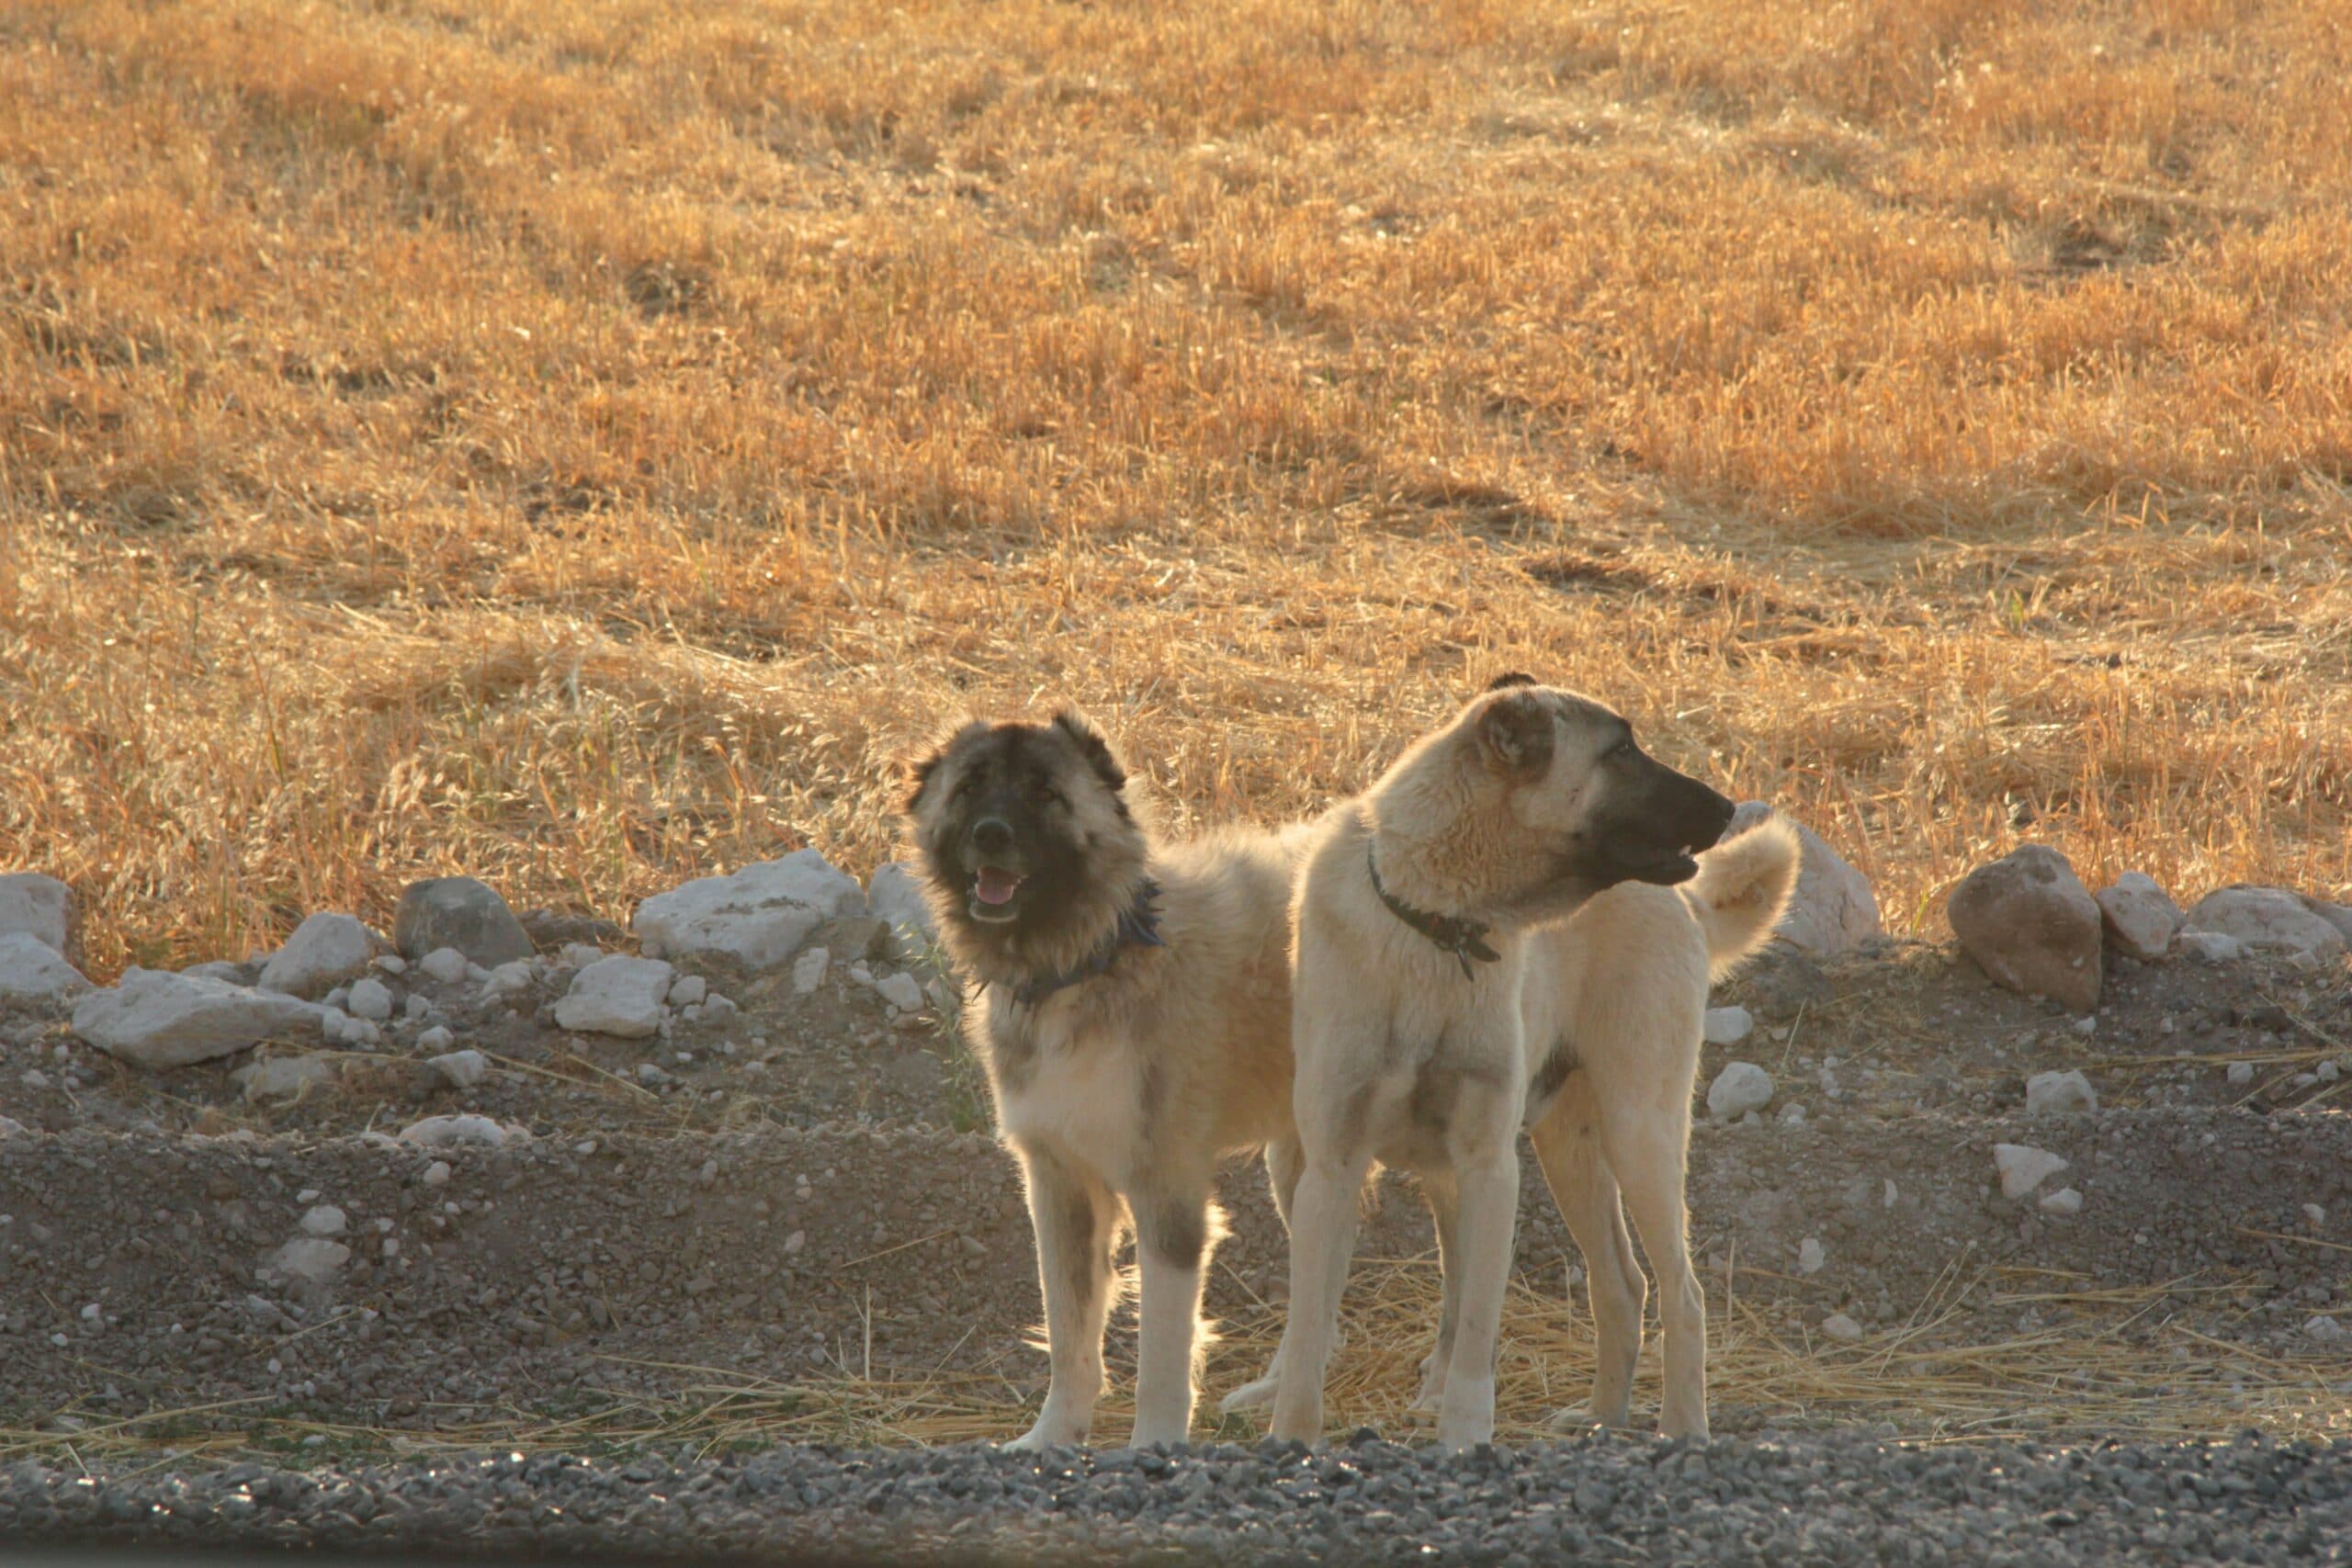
x: 1093, y: 747
x: 1515, y: 734
x: 915, y: 771
x: 1510, y: 678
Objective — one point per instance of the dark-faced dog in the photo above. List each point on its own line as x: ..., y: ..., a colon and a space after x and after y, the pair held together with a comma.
x: 1134, y: 1017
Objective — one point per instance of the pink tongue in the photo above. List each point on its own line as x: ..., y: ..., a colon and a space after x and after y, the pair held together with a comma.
x: 997, y: 886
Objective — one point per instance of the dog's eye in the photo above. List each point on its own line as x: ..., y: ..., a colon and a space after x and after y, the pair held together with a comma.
x: 1623, y: 749
x: 1045, y: 794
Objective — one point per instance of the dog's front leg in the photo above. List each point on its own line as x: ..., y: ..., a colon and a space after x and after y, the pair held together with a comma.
x: 1444, y: 1215
x: 1172, y: 1246
x: 1486, y: 1167
x: 1076, y: 1218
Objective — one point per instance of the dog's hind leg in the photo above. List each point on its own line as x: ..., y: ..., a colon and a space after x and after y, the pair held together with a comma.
x: 1646, y: 1143
x: 1446, y: 1218
x: 1283, y: 1161
x: 1077, y: 1219
x: 1175, y: 1233
x: 1567, y: 1146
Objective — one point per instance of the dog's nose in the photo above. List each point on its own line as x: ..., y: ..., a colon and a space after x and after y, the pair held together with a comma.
x: 992, y: 834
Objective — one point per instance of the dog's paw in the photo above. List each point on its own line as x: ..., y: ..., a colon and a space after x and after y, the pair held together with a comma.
x: 1251, y: 1395
x: 1433, y: 1394
x: 1040, y: 1437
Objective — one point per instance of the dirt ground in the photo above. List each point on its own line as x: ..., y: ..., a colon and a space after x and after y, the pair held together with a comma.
x: 799, y: 1225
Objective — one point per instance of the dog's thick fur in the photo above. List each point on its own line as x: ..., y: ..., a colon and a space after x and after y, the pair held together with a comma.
x: 1533, y: 813
x: 1119, y: 1091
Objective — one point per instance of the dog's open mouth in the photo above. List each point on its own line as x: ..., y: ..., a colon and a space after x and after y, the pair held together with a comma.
x: 1663, y: 867
x: 996, y: 892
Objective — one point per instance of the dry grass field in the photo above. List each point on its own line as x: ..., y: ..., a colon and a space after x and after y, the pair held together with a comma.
x: 582, y: 442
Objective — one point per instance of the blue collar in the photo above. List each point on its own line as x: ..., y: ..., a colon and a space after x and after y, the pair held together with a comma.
x: 1139, y: 927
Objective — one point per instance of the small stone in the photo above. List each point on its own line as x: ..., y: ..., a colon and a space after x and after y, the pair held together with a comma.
x: 618, y: 996
x: 445, y: 964
x: 2139, y: 919
x: 808, y: 971
x: 460, y: 1069
x: 511, y: 978
x: 2327, y: 1072
x: 34, y: 1080
x: 2324, y: 1329
x: 324, y: 951
x: 2240, y: 1072
x: 324, y: 1220
x: 392, y: 963
x: 337, y: 1000
x: 688, y: 991
x: 2065, y: 1201
x: 1811, y: 1255
x: 795, y: 1242
x: 284, y: 1077
x: 2086, y: 1025
x: 652, y: 1075
x: 33, y: 974
x: 758, y: 915
x: 1839, y: 1326
x: 436, y: 1174
x: 2317, y: 1215
x: 416, y: 1008
x: 2053, y: 1094
x: 1740, y: 1087
x: 2024, y: 1167
x: 311, y: 1258
x: 1891, y: 1194
x: 1728, y: 1026
x: 2031, y: 926
x: 372, y: 1001
x: 902, y: 991
x: 1792, y: 1114
x: 717, y: 1013
x: 462, y: 913
x: 2211, y: 947
x: 446, y: 1132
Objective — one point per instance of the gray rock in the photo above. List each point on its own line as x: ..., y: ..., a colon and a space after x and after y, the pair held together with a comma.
x: 2325, y: 1329
x: 2240, y: 1072
x: 1728, y: 1026
x: 2266, y: 920
x: 688, y: 991
x: 309, y: 1257
x: 34, y: 973
x: 2065, y: 1201
x: 2031, y: 926
x: 1841, y: 1327
x: 222, y: 969
x: 284, y: 1077
x: 895, y: 897
x: 2060, y: 1093
x: 452, y: 1131
x: 618, y: 996
x: 2211, y: 947
x: 155, y: 1019
x: 40, y: 907
x: 759, y: 916
x: 1812, y: 1256
x: 371, y: 999
x: 323, y: 951
x: 2139, y: 917
x: 437, y: 1038
x: 1740, y: 1087
x: 2023, y: 1168
x: 324, y: 1220
x: 445, y: 964
x: 459, y: 912
x: 1833, y: 910
x: 510, y: 979
x: 902, y: 991
x: 460, y: 1069
x: 808, y: 971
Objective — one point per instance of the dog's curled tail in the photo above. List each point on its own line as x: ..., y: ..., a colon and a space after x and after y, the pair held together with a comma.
x: 1742, y: 888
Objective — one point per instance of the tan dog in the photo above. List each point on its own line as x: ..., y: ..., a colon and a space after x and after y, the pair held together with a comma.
x: 1463, y: 968
x: 1135, y: 1022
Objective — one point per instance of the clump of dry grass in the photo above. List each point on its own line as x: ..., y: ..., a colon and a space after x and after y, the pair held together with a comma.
x: 519, y: 438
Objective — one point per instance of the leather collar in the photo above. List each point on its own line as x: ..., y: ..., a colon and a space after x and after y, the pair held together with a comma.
x: 1465, y: 939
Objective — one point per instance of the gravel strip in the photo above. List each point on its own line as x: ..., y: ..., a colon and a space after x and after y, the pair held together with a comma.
x: 1844, y: 1499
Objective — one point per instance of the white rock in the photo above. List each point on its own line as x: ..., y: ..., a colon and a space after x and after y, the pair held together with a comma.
x: 512, y: 978
x: 372, y: 1001
x: 460, y: 1069
x: 324, y: 1220
x: 392, y: 963
x: 2327, y: 1072
x: 579, y: 954
x: 650, y: 1074
x: 34, y: 1080
x: 895, y: 897
x: 2266, y: 920
x: 32, y: 972
x: 901, y: 991
x: 337, y: 1000
x: 2240, y: 1072
x: 445, y: 964
x: 1792, y: 1114
x: 1742, y: 1087
x: 2211, y: 947
x: 758, y: 915
x: 2024, y: 1167
x: 688, y: 991
x: 12, y: 1128
x: 2139, y: 917
x: 618, y: 995
x: 718, y: 1011
x: 1832, y: 908
x: 437, y: 1038
x: 323, y: 951
x: 1839, y: 1326
x: 309, y: 1257
x: 282, y: 1077
x: 808, y: 971
x: 154, y: 1020
x: 1891, y: 1193
x: 1728, y: 1026
x: 2059, y: 1093
x: 416, y: 1007
x: 451, y: 1132
x: 436, y: 1174
x: 2324, y: 1329
x: 2313, y: 1212
x: 38, y: 907
x: 795, y: 1242
x: 1811, y: 1255
x: 2065, y: 1201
